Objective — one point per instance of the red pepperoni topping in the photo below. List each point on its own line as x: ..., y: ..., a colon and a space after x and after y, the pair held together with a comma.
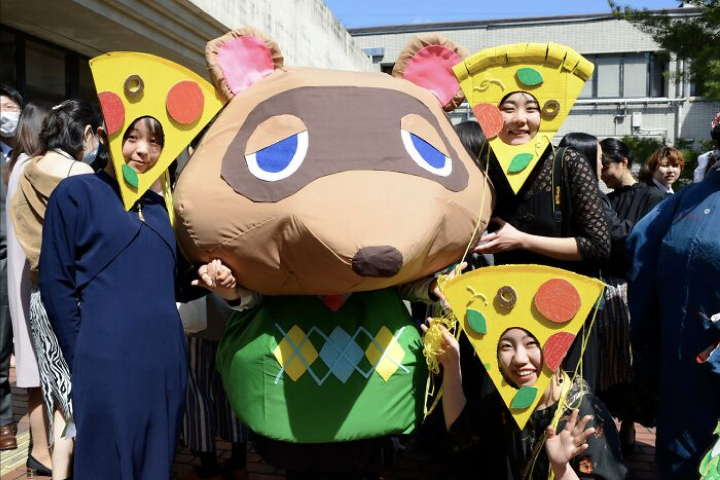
x: 556, y: 348
x: 490, y: 119
x: 185, y: 102
x: 557, y: 300
x: 113, y: 111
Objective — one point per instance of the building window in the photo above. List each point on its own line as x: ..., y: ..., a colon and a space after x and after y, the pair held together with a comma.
x: 43, y: 72
x: 607, y: 77
x: 8, y: 47
x: 629, y: 75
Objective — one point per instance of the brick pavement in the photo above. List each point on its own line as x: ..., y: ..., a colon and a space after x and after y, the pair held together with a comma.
x: 409, y: 466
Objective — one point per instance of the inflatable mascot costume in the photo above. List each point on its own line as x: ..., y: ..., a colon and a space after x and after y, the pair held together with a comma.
x: 326, y: 191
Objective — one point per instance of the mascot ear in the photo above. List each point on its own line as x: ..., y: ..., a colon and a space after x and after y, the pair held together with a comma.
x: 427, y: 61
x: 240, y: 58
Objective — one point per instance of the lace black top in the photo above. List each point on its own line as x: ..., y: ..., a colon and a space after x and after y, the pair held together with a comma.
x: 531, y: 211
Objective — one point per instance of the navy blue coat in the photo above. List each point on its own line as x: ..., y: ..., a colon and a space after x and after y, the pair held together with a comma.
x: 108, y: 283
x: 674, y: 291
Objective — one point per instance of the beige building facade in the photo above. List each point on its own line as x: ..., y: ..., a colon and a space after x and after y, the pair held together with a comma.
x: 637, y: 88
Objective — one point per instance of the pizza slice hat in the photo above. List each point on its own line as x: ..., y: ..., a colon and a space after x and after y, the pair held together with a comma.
x: 554, y: 74
x: 133, y: 85
x: 550, y: 303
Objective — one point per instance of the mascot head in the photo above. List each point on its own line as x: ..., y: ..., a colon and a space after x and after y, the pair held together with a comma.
x: 325, y: 182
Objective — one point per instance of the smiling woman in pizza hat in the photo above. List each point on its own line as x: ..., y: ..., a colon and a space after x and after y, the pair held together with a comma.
x: 111, y: 277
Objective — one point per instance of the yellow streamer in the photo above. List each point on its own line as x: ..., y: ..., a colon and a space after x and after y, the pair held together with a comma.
x: 433, y: 337
x: 167, y: 193
x: 563, y: 405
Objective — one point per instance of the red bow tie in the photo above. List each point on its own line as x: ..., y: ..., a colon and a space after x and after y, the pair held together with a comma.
x: 333, y: 302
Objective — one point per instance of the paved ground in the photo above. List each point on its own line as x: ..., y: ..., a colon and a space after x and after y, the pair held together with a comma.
x: 410, y: 465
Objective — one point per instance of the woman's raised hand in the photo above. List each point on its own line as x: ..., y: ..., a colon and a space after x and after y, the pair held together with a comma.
x: 448, y: 353
x: 569, y: 443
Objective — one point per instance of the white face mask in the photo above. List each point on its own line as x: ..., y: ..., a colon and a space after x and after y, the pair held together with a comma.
x: 8, y: 123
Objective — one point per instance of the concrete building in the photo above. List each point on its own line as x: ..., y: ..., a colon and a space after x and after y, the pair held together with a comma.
x: 636, y: 89
x: 45, y: 45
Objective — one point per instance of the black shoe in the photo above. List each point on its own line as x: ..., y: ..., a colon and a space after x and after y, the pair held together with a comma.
x: 36, y: 469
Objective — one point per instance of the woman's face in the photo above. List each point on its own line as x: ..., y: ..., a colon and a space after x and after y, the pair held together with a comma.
x: 521, y: 118
x: 141, y: 148
x: 520, y: 357
x: 666, y: 173
x: 612, y: 173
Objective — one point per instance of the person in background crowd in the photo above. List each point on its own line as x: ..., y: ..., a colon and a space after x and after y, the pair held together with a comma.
x: 665, y: 165
x: 674, y: 296
x: 11, y: 104
x: 708, y: 159
x: 66, y: 135
x: 631, y: 200
x: 472, y: 138
x: 18, y: 286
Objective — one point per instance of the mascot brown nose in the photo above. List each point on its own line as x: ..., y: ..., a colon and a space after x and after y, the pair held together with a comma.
x: 384, y: 261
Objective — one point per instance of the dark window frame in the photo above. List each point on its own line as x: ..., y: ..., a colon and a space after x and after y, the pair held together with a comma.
x: 72, y: 61
x: 651, y: 63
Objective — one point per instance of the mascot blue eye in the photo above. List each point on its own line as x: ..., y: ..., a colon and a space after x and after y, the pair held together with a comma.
x: 425, y: 155
x: 279, y: 160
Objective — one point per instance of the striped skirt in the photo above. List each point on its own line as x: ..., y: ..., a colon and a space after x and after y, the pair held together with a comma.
x: 614, y: 336
x: 53, y: 369
x: 207, y: 411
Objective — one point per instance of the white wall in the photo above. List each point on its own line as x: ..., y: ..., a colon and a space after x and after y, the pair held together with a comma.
x: 306, y: 30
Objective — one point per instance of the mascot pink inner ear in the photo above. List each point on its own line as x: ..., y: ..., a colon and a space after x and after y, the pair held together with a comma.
x: 431, y: 68
x: 244, y: 61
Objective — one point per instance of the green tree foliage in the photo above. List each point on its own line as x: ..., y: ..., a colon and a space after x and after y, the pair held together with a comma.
x: 696, y: 38
x: 642, y: 147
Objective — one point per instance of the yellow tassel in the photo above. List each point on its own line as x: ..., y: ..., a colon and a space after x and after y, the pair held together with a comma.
x: 432, y: 341
x: 167, y: 193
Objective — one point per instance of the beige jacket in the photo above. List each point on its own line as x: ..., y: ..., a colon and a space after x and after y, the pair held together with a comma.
x: 27, y: 210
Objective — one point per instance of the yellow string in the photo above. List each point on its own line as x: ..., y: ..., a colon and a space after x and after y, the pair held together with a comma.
x: 433, y: 337
x: 167, y: 193
x: 562, y: 402
x: 479, y: 221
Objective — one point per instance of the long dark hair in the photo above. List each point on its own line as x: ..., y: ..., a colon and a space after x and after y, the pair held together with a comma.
x: 584, y: 143
x: 472, y: 138
x: 27, y: 138
x: 616, y: 151
x: 64, y: 127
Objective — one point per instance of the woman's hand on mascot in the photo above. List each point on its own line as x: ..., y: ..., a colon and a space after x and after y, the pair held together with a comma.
x: 503, y: 240
x: 217, y: 278
x: 434, y: 288
x: 569, y: 443
x: 449, y: 353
